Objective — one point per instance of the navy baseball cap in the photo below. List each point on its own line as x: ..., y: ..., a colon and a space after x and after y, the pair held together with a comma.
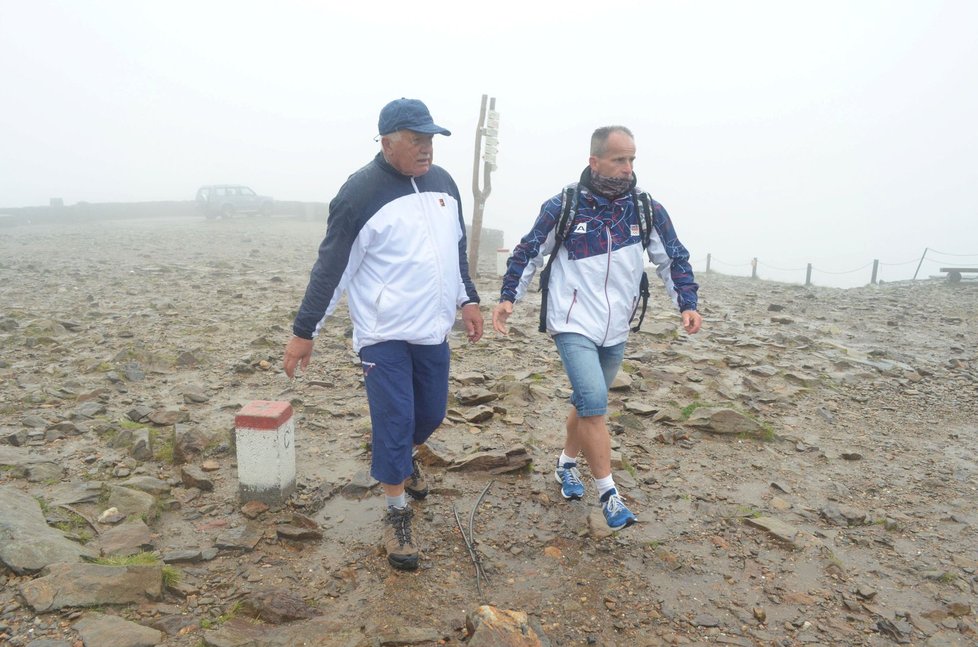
x: 408, y: 114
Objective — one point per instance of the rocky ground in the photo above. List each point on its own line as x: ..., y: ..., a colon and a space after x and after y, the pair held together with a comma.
x: 803, y: 470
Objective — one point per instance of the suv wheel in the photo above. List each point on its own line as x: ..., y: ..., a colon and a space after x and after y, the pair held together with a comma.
x: 227, y: 210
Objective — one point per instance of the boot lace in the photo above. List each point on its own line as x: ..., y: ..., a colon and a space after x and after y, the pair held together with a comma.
x: 401, y: 521
x: 614, y: 504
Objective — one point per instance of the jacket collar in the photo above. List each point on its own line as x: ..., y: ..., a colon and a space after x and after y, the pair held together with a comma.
x: 386, y: 166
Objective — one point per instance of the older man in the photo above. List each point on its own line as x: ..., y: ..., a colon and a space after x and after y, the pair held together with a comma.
x: 395, y: 244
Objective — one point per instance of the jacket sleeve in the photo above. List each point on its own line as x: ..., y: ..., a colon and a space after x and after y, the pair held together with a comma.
x: 671, y: 260
x: 528, y: 255
x: 337, y: 259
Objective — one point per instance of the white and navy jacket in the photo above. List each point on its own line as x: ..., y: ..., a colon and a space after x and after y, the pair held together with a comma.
x: 594, y: 282
x: 396, y: 246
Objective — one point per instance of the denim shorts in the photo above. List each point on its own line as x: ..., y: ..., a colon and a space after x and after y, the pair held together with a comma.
x: 407, y: 389
x: 591, y: 369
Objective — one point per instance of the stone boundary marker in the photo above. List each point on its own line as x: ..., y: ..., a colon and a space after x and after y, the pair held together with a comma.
x: 502, y: 255
x: 264, y: 434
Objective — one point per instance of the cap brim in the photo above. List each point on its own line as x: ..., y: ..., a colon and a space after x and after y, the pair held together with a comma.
x: 430, y: 129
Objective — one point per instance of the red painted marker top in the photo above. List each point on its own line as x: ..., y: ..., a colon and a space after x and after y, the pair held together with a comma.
x: 263, y: 414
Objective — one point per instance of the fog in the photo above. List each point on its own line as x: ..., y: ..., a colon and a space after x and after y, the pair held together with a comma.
x: 830, y: 133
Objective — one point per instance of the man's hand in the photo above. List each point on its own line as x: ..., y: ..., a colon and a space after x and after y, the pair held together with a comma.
x: 472, y: 318
x: 297, y: 352
x: 692, y: 321
x: 499, y: 316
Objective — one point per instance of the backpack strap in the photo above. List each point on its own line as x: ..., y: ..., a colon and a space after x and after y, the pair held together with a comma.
x: 643, y: 203
x: 643, y: 290
x: 568, y: 211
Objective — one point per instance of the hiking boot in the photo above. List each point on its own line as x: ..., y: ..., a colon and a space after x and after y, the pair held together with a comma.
x: 616, y: 513
x: 401, y: 551
x: 416, y: 485
x: 571, y: 486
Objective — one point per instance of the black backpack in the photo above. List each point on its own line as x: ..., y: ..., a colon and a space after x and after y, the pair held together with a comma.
x: 568, y: 210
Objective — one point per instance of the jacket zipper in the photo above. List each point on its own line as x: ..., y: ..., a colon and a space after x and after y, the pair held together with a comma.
x: 573, y: 302
x: 607, y: 275
x: 430, y: 238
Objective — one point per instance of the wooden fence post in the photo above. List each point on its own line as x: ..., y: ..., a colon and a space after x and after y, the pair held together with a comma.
x: 753, y: 268
x: 808, y: 275
x: 922, y: 256
x: 876, y: 265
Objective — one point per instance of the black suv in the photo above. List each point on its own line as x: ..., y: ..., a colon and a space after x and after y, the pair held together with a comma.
x: 229, y: 199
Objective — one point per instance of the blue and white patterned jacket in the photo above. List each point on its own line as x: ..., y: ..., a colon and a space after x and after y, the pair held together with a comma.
x: 594, y: 282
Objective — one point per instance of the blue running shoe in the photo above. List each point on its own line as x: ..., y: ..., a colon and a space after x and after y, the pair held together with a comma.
x: 571, y: 486
x: 616, y: 513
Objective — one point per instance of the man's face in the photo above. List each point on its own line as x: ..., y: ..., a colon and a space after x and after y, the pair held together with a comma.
x: 618, y: 157
x: 409, y: 152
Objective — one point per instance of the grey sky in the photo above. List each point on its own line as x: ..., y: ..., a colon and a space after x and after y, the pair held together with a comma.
x: 831, y: 132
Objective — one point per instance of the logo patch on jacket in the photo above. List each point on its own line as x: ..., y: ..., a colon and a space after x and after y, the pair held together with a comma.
x: 581, y: 228
x: 635, y: 231
x: 441, y: 202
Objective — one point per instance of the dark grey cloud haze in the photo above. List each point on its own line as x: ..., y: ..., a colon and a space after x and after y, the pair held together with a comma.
x: 832, y: 132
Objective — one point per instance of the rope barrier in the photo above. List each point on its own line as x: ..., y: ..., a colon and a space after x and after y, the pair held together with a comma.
x: 716, y: 260
x: 754, y: 263
x: 815, y: 269
x: 782, y: 269
x: 934, y: 251
x: 903, y: 263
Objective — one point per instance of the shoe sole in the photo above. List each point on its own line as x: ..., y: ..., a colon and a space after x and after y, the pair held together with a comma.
x: 403, y: 564
x: 416, y: 494
x: 571, y: 497
x: 630, y: 521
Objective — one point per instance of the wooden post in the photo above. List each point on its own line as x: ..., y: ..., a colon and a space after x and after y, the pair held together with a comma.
x: 480, y: 195
x: 753, y: 268
x: 808, y: 275
x: 919, y: 264
x: 876, y: 265
x: 708, y: 262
